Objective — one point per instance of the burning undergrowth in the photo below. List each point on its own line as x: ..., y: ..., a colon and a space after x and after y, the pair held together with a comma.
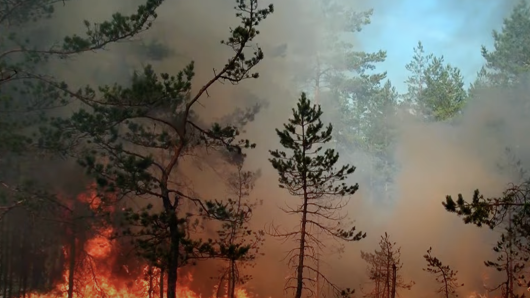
x: 87, y: 257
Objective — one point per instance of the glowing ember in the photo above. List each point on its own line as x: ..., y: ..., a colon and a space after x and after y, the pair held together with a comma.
x: 95, y: 271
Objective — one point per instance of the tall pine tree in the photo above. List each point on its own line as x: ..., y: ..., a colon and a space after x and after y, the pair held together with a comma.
x: 133, y: 139
x: 435, y: 89
x: 510, y: 57
x: 312, y: 175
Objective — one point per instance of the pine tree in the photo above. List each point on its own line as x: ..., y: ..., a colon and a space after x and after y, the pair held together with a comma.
x: 345, y: 83
x: 378, y: 137
x: 510, y: 212
x: 436, y: 89
x: 444, y: 95
x: 510, y: 57
x: 132, y: 140
x: 235, y: 233
x: 509, y: 262
x: 417, y: 80
x: 26, y: 90
x: 314, y: 177
x: 444, y: 275
x: 336, y: 70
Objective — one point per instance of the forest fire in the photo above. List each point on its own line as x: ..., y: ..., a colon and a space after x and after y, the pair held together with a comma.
x: 100, y: 270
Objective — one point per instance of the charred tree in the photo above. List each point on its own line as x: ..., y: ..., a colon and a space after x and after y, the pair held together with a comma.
x: 312, y: 176
x: 444, y: 275
x: 384, y: 265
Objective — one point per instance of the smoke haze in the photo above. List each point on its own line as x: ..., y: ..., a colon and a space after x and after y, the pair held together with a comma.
x: 434, y: 159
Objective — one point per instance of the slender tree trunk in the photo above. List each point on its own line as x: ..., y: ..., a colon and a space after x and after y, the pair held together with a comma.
x: 317, y: 101
x: 219, y: 291
x: 394, y: 280
x: 388, y: 273
x: 150, y: 289
x: 161, y: 282
x: 510, y: 273
x: 71, y: 266
x: 173, y: 259
x: 11, y: 266
x: 24, y: 287
x: 8, y: 284
x: 232, y: 285
x: 301, y: 253
x: 5, y: 256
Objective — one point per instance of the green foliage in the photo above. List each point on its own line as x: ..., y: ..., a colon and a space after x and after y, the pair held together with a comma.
x: 416, y: 81
x: 436, y: 90
x: 512, y: 259
x: 28, y: 94
x: 133, y: 139
x: 492, y: 211
x: 346, y: 83
x: 311, y: 173
x: 155, y: 50
x: 445, y: 276
x: 512, y: 211
x: 304, y: 175
x: 511, y: 54
x: 239, y: 244
x: 444, y: 95
x: 149, y: 232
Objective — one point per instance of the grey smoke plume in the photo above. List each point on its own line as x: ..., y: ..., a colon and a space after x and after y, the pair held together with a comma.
x: 435, y: 159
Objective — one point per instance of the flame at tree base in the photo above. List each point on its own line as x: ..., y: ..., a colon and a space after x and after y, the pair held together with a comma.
x: 98, y: 273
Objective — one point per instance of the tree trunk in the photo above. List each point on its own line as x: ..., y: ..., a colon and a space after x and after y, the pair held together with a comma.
x: 388, y: 273
x: 5, y: 256
x: 317, y: 93
x: 220, y: 286
x: 394, y: 280
x: 232, y: 280
x: 71, y: 267
x: 301, y: 253
x: 161, y: 282
x: 9, y: 266
x: 173, y: 258
x: 150, y: 290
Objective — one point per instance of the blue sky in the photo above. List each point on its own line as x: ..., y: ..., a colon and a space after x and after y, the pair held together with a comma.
x: 455, y: 29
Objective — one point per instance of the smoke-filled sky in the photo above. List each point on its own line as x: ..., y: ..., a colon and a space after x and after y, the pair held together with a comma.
x: 435, y: 159
x: 455, y: 29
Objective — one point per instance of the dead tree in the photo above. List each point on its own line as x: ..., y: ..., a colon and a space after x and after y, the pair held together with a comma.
x: 444, y: 275
x: 384, y: 265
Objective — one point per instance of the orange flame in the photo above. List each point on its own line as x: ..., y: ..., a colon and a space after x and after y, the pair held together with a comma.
x: 94, y: 276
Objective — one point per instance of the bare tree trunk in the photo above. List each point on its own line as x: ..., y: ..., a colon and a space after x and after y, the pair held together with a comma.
x: 388, y: 273
x: 220, y: 286
x: 150, y: 290
x: 232, y: 280
x: 301, y: 253
x: 173, y: 259
x: 12, y: 265
x: 509, y: 285
x: 394, y: 280
x: 71, y: 267
x: 317, y: 93
x: 5, y: 256
x: 161, y: 282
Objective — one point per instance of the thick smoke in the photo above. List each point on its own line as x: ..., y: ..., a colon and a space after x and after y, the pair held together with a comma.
x: 435, y: 159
